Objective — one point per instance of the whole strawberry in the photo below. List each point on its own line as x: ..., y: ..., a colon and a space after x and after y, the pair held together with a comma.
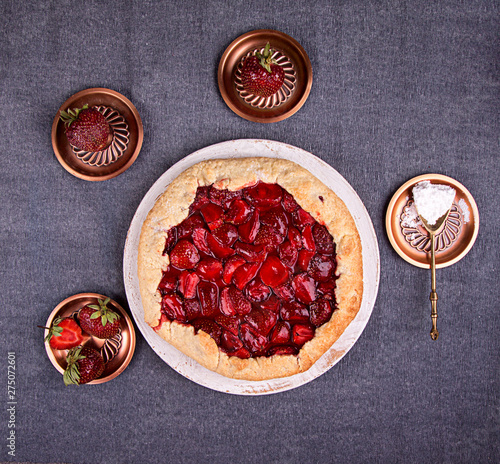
x: 64, y: 333
x: 86, y: 128
x: 99, y: 320
x: 84, y: 365
x: 261, y: 75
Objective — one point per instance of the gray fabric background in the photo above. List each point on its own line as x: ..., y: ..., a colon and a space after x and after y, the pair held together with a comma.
x: 401, y: 88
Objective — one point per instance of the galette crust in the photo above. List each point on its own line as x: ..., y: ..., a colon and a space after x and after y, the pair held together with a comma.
x: 172, y: 207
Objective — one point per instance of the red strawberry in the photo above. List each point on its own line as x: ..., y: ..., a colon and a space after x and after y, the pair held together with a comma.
x: 261, y: 320
x: 185, y: 228
x: 261, y: 75
x: 99, y: 320
x: 84, y: 365
x: 262, y: 194
x: 281, y: 333
x: 245, y: 274
x: 212, y: 214
x: 307, y: 238
x: 231, y: 324
x: 170, y: 240
x: 285, y: 292
x: 226, y: 234
x: 294, y: 312
x: 234, y: 302
x: 323, y: 239
x: 276, y: 218
x: 209, y: 269
x: 192, y: 309
x: 233, y: 263
x: 252, y: 253
x: 302, y: 218
x: 217, y: 248
x: 230, y: 342
x: 188, y: 282
x: 268, y: 235
x: 283, y: 350
x: 305, y: 288
x: 184, y: 255
x: 321, y: 268
x: 288, y: 253
x: 208, y: 293
x: 253, y: 340
x: 248, y: 231
x: 169, y: 281
x: 200, y: 240
x: 86, y: 128
x: 239, y: 212
x: 304, y: 259
x: 223, y: 197
x: 320, y: 312
x: 256, y: 291
x: 302, y: 333
x: 289, y: 202
x: 65, y: 334
x: 273, y: 273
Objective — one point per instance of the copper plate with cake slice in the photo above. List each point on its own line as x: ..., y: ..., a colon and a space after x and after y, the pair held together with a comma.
x: 251, y: 311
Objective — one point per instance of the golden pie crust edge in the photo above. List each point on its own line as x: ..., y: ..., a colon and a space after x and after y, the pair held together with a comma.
x: 172, y: 207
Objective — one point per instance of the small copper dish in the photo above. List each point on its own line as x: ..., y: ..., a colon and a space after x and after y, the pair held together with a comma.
x: 290, y: 98
x: 117, y: 351
x: 124, y: 148
x: 410, y: 239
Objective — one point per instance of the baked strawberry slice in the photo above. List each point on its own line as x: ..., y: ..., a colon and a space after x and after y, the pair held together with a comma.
x: 209, y: 269
x: 268, y: 235
x: 209, y: 327
x: 86, y: 128
x: 200, y: 199
x: 188, y: 281
x: 304, y: 259
x: 289, y: 203
x: 244, y: 274
x: 192, y: 309
x: 320, y: 312
x: 248, y: 231
x: 230, y: 342
x: 272, y: 304
x: 99, y: 320
x: 242, y: 353
x: 273, y: 273
x: 307, y: 238
x: 212, y: 214
x: 239, y: 212
x: 302, y: 333
x: 256, y: 291
x: 217, y: 248
x: 169, y: 281
x: 302, y: 218
x: 208, y: 293
x: 281, y: 333
x: 184, y: 255
x: 275, y: 218
x: 64, y: 333
x: 288, y: 253
x: 252, y: 253
x: 185, y: 228
x: 200, y: 240
x: 233, y: 263
x: 323, y: 239
x: 226, y: 234
x: 254, y: 341
x: 261, y: 320
x: 295, y: 237
x: 233, y: 302
x: 84, y: 364
x: 285, y: 292
x: 294, y: 312
x: 327, y: 289
x: 304, y: 287
x: 261, y: 75
x: 264, y: 195
x: 229, y: 323
x: 321, y: 268
x: 223, y: 197
x: 172, y: 307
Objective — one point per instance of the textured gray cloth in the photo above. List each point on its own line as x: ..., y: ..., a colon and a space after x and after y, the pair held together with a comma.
x: 401, y: 88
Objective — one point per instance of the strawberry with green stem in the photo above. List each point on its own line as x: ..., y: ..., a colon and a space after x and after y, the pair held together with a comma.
x: 98, y: 320
x: 261, y: 75
x: 64, y: 333
x: 84, y: 365
x: 86, y: 128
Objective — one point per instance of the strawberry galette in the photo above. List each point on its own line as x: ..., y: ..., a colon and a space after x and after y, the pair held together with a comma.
x: 250, y: 266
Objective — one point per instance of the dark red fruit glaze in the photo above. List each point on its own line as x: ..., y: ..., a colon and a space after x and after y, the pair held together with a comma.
x: 250, y: 268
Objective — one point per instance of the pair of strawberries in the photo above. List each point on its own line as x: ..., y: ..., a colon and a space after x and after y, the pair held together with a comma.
x: 84, y: 363
x: 87, y: 129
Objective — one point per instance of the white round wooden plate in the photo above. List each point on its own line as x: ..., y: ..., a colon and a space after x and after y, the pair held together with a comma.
x: 371, y: 266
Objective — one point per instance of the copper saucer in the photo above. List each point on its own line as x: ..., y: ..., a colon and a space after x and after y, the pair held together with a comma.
x: 410, y: 239
x: 98, y: 97
x: 118, y: 350
x: 287, y: 46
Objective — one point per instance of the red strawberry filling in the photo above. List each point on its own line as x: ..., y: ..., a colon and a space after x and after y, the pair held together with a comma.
x: 250, y: 268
